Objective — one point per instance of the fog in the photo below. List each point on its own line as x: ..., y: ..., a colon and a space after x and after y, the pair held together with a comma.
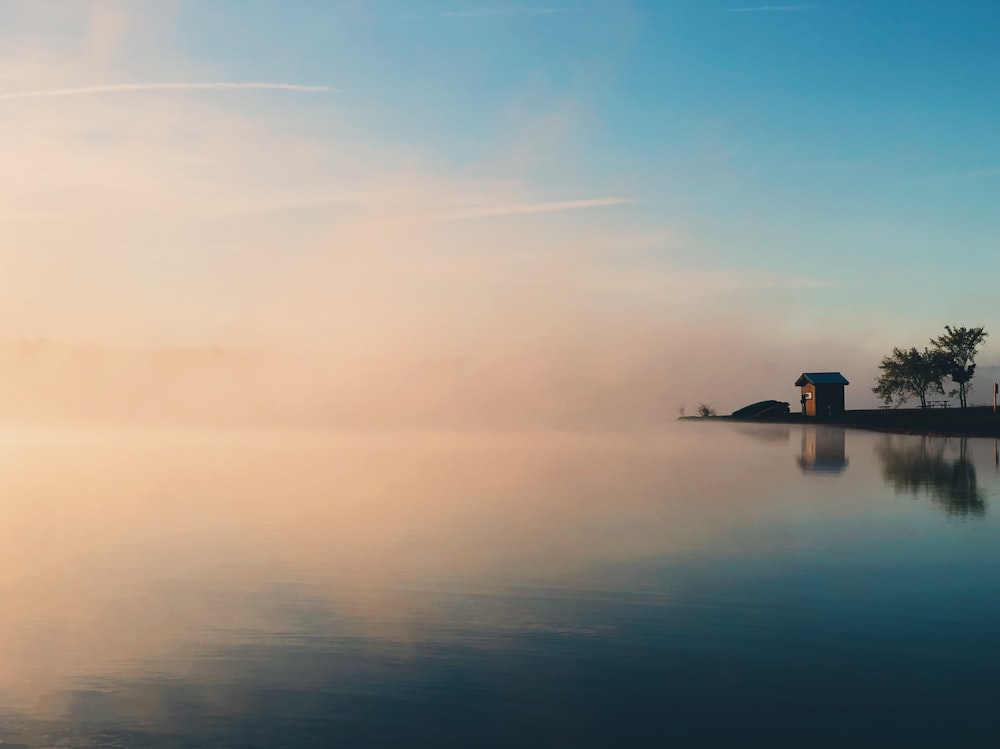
x: 394, y: 316
x: 244, y: 257
x: 608, y: 383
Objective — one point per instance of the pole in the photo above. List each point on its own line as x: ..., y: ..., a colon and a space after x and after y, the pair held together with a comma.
x: 996, y: 389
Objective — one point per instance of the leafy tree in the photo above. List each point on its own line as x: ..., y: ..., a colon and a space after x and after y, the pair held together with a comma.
x: 958, y: 348
x: 705, y: 410
x: 910, y: 372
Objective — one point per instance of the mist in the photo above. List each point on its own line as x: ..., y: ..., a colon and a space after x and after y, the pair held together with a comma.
x: 246, y: 257
x: 622, y: 379
x: 397, y: 318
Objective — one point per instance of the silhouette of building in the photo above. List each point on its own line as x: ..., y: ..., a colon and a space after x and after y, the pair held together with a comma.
x: 822, y: 393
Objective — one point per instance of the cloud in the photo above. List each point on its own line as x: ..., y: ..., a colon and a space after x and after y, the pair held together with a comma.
x: 960, y: 176
x: 524, y: 209
x: 775, y: 9
x: 825, y: 166
x: 119, y: 88
x: 290, y: 202
x: 703, y: 282
x: 381, y: 198
x: 509, y: 11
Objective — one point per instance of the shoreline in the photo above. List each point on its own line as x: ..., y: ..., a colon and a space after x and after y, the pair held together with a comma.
x: 975, y: 421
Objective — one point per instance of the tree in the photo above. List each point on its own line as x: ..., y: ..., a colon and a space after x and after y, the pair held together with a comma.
x: 909, y: 373
x: 958, y: 347
x: 705, y: 410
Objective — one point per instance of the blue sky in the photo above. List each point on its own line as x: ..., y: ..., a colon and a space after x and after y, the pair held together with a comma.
x: 752, y: 168
x: 849, y: 141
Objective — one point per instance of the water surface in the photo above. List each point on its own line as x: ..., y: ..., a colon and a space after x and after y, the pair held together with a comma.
x: 709, y: 585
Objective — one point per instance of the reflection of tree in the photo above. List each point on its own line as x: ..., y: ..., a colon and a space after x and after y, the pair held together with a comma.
x: 923, y: 466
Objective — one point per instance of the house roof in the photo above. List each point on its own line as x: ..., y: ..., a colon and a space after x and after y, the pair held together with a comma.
x: 821, y: 378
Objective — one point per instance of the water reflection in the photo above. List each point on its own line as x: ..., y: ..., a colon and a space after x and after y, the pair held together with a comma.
x: 190, y: 590
x: 932, y: 466
x: 823, y: 450
x: 776, y: 433
x: 198, y: 534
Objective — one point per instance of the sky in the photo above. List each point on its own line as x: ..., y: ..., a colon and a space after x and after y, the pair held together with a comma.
x: 687, y: 192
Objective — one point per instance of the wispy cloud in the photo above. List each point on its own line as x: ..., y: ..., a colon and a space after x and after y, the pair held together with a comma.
x: 121, y: 88
x: 775, y: 9
x: 509, y: 11
x: 281, y: 203
x: 960, y: 176
x: 698, y: 282
x: 826, y: 166
x: 523, y: 209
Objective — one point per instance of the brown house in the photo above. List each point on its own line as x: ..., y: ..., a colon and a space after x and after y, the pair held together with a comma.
x: 822, y: 393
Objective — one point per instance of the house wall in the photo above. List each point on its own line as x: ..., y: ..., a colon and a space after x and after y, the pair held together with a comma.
x: 809, y: 406
x: 828, y: 401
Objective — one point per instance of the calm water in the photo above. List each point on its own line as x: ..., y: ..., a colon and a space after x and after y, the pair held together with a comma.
x: 708, y: 586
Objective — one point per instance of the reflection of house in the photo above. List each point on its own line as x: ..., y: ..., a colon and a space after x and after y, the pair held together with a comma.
x: 822, y: 393
x: 823, y: 450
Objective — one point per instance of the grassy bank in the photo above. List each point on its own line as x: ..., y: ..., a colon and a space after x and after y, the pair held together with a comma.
x: 972, y: 422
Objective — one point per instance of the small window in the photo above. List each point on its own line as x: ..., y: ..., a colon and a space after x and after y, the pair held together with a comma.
x: 807, y: 396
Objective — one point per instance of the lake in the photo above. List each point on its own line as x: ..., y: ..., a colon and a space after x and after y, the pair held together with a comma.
x: 708, y: 585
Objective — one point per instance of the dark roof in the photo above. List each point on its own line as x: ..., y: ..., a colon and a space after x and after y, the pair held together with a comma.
x: 821, y: 378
